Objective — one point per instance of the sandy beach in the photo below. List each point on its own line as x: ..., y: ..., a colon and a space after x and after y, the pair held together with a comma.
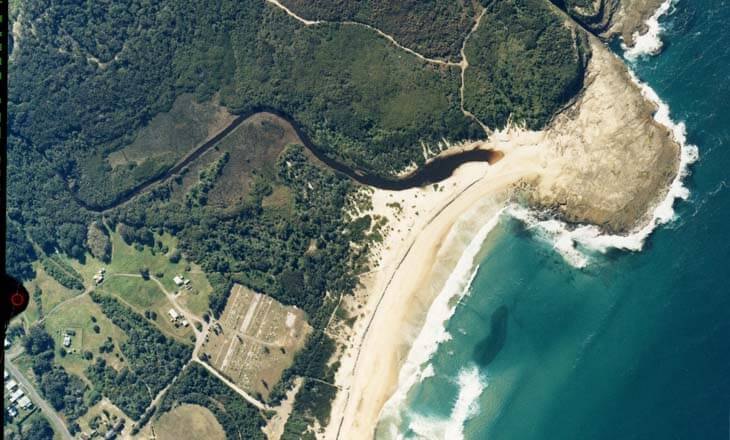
x: 603, y: 161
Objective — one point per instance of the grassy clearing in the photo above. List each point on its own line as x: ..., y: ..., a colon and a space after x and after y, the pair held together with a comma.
x: 173, y: 133
x: 53, y: 293
x: 133, y: 290
x: 189, y: 421
x: 77, y: 316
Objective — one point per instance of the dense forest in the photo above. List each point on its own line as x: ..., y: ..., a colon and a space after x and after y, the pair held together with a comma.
x: 153, y: 360
x: 239, y: 419
x: 434, y: 28
x: 524, y: 64
x: 355, y: 95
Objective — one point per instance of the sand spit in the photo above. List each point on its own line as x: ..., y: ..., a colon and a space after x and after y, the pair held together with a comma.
x: 603, y: 161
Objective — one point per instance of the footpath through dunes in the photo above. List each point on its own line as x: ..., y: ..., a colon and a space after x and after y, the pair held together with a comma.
x: 433, y: 170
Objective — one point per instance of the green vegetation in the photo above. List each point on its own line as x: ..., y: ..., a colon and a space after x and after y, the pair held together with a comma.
x: 267, y: 249
x: 64, y: 391
x: 198, y: 194
x: 38, y: 429
x: 434, y: 28
x: 524, y: 64
x: 153, y: 360
x: 354, y: 94
x: 84, y: 317
x: 98, y: 242
x: 63, y: 272
x: 314, y: 398
x: 197, y: 386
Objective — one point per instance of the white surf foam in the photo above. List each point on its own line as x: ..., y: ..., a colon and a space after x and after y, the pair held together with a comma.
x: 434, y: 332
x: 649, y: 43
x: 576, y: 243
x: 471, y: 385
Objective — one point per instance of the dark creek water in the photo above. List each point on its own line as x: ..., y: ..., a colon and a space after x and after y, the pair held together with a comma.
x: 434, y: 171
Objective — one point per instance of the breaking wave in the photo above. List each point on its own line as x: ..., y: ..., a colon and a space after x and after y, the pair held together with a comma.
x: 649, y: 43
x: 576, y: 244
x: 434, y: 332
x: 471, y: 385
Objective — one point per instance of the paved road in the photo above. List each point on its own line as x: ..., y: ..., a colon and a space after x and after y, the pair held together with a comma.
x: 56, y: 421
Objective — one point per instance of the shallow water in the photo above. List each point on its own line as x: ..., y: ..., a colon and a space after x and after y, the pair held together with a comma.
x: 636, y: 345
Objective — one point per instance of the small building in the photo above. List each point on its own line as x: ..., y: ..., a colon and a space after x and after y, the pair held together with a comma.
x: 84, y: 436
x: 174, y: 316
x: 5, y: 375
x: 25, y: 403
x: 11, y: 385
x: 66, y: 341
x: 7, y: 343
x: 110, y: 434
x: 12, y: 411
x: 186, y: 282
x: 184, y: 322
x: 16, y: 395
x: 178, y: 280
x: 119, y: 425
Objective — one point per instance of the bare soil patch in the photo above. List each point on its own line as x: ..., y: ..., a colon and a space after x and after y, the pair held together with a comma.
x: 189, y: 422
x: 255, y: 340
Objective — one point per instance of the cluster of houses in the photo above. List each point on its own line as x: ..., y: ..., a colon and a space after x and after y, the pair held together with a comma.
x: 17, y: 397
x: 177, y: 319
x: 182, y: 282
x: 110, y: 433
x: 99, y: 277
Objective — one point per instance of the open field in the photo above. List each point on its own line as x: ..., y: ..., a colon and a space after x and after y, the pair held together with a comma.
x: 53, y: 293
x: 254, y: 148
x: 127, y: 259
x: 188, y: 422
x: 78, y: 316
x: 255, y: 340
x: 173, y: 133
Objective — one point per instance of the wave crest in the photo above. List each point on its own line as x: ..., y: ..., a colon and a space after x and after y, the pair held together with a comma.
x: 471, y: 385
x: 650, y: 42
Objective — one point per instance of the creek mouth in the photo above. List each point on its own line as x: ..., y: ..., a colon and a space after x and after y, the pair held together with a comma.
x: 433, y: 171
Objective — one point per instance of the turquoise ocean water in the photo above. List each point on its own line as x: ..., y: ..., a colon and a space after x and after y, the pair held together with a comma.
x: 635, y: 345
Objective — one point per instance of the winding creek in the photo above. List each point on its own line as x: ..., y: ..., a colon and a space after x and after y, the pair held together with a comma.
x: 433, y: 171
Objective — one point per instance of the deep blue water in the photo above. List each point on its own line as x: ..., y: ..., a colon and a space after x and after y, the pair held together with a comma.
x: 636, y: 346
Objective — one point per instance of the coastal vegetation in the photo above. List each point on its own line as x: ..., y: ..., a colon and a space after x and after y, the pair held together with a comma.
x: 266, y: 248
x: 524, y: 64
x: 275, y: 219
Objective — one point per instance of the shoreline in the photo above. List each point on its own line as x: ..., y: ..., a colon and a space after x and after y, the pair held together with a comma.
x: 575, y: 164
